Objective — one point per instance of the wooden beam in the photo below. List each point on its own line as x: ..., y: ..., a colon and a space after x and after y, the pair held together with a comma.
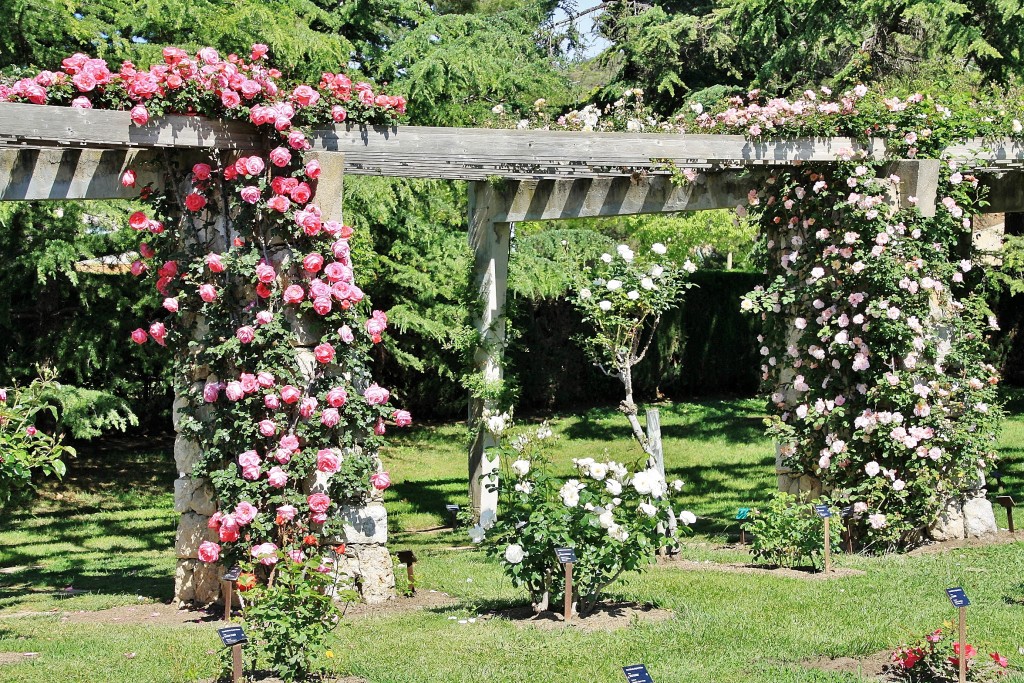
x: 74, y: 173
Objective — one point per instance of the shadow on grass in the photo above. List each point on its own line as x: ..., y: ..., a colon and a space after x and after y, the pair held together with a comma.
x: 709, y: 420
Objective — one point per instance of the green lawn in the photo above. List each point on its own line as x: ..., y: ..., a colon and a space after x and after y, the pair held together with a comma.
x: 110, y: 535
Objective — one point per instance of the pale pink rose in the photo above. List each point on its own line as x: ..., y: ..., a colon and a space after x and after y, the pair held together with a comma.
x: 313, y: 169
x: 318, y: 517
x: 264, y: 317
x: 234, y: 391
x: 296, y: 556
x: 289, y: 442
x: 324, y: 353
x: 276, y: 477
x: 402, y: 418
x: 265, y: 379
x: 330, y: 417
x: 286, y: 513
x: 318, y: 502
x: 322, y: 305
x: 208, y: 293
x: 336, y: 397
x: 259, y: 51
x: 138, y: 268
x: 294, y: 294
x: 251, y: 473
x: 128, y: 178
x: 268, y: 428
x: 249, y: 459
x: 271, y: 401
x: 335, y: 272
x: 307, y: 407
x: 283, y: 456
x: 346, y: 334
x: 280, y: 156
x: 376, y: 395
x: 245, y: 512
x: 250, y: 194
x: 380, y: 428
x: 245, y: 334
x: 265, y: 273
x: 265, y: 554
x: 290, y: 394
x: 297, y: 140
x: 328, y: 461
x: 230, y: 99
x: 251, y: 165
x: 171, y: 304
x: 380, y: 480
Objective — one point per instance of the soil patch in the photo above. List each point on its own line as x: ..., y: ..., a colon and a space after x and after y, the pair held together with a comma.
x: 15, y: 657
x: 422, y: 599
x: 157, y: 614
x: 610, y: 617
x: 1002, y: 538
x: 871, y: 666
x: 740, y: 568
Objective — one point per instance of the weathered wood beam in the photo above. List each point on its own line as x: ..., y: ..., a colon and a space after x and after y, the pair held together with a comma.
x: 74, y: 173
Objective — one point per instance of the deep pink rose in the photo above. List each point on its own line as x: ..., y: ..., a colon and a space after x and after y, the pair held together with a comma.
x: 265, y: 273
x: 290, y: 394
x: 234, y: 391
x: 330, y: 417
x: 313, y: 169
x: 259, y: 51
x: 268, y: 428
x: 313, y: 262
x: 307, y: 407
x: 31, y: 430
x: 128, y: 178
x: 318, y: 502
x: 3, y: 395
x: 139, y: 114
x: 245, y: 512
x: 376, y: 395
x: 280, y: 156
x: 338, y: 113
x: 301, y: 193
x: 380, y: 428
x: 139, y: 336
x: 309, y: 222
x: 214, y: 521
x: 324, y: 353
x: 211, y: 391
x: 402, y: 418
x: 208, y: 293
x: 327, y: 461
x: 171, y: 304
x: 250, y: 194
x: 305, y: 96
x: 158, y: 331
x: 297, y: 140
x: 201, y: 171
x: 245, y: 334
x: 322, y: 305
x: 276, y: 477
x: 380, y: 480
x: 138, y: 221
x: 336, y: 397
x: 286, y: 513
x: 294, y: 294
x: 146, y: 251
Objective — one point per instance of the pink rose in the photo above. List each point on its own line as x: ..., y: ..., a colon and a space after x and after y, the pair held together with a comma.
x: 245, y: 512
x: 146, y: 251
x: 268, y: 428
x: 245, y: 334
x: 234, y: 391
x: 211, y: 391
x: 208, y: 293
x: 279, y: 203
x: 305, y: 96
x: 336, y: 272
x: 158, y: 332
x: 249, y: 459
x: 296, y: 556
x: 289, y: 442
x: 280, y: 156
x: 259, y: 51
x: 271, y: 402
x: 297, y: 140
x: 264, y: 317
x: 3, y: 395
x: 307, y: 407
x: 139, y: 336
x: 265, y: 554
x: 230, y: 99
x: 338, y: 113
x: 322, y: 305
x: 283, y: 456
x: 380, y: 428
x: 248, y: 382
x: 265, y: 379
x: 309, y: 222
x: 330, y: 417
x: 138, y: 268
x: 402, y: 418
x: 325, y: 354
x: 313, y: 169
x: 250, y: 194
x: 139, y: 115
x: 318, y: 502
x: 346, y: 334
x: 128, y: 178
x: 265, y: 273
x: 318, y: 518
x: 312, y: 262
x: 337, y: 397
x: 286, y: 513
x: 318, y: 288
x: 290, y: 394
x: 251, y: 473
x: 380, y: 480
x: 327, y: 461
x: 171, y: 304
x: 228, y: 530
x: 276, y: 477
x: 376, y: 395
x: 294, y: 294
x: 201, y: 171
x: 301, y: 194
x: 250, y: 88
x: 252, y: 165
x: 31, y: 430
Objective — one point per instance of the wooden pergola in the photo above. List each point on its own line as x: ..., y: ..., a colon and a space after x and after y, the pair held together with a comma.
x: 59, y: 153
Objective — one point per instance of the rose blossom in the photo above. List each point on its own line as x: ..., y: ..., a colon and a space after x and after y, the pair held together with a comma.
x: 286, y: 513
x: 337, y: 397
x: 290, y: 442
x: 211, y: 391
x: 139, y: 336
x: 290, y: 394
x: 380, y: 428
x: 313, y: 169
x: 245, y: 512
x: 234, y: 391
x: 345, y: 332
x: 376, y: 395
x: 245, y: 334
x: 248, y: 382
x: 330, y: 417
x: 171, y: 304
x: 208, y: 293
x: 264, y: 317
x: 139, y: 115
x: 319, y: 502
x: 271, y: 401
x: 268, y: 428
x: 402, y: 418
x: 250, y: 194
x: 265, y: 273
x: 324, y: 353
x: 294, y: 294
x: 265, y: 553
x: 328, y: 461
x: 280, y: 156
x: 208, y: 552
x: 277, y: 477
x: 380, y: 480
x: 228, y: 529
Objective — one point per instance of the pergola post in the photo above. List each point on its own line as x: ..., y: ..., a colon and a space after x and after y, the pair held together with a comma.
x: 490, y: 241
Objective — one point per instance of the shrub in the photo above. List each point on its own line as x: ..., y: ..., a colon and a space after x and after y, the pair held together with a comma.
x: 24, y: 447
x: 609, y: 513
x: 935, y: 659
x: 788, y: 533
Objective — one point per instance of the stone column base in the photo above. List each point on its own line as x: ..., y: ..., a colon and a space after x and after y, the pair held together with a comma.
x: 960, y: 519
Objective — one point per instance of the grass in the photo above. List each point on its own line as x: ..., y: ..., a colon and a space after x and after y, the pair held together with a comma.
x: 110, y: 534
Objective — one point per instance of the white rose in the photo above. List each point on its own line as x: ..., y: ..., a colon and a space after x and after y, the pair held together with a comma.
x: 607, y: 258
x: 514, y: 554
x: 689, y: 267
x: 872, y: 469
x: 659, y: 248
x: 521, y: 467
x: 687, y: 517
x: 599, y: 470
x: 677, y: 484
x: 633, y: 295
x: 613, y: 285
x: 613, y: 487
x: 625, y: 252
x: 648, y: 509
x: 606, y: 519
x: 605, y: 305
x: 657, y: 271
x: 488, y: 518
x: 525, y: 487
x: 647, y: 283
x: 618, y: 533
x: 585, y: 293
x: 570, y: 493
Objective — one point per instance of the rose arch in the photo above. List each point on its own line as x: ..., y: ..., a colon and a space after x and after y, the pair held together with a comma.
x: 873, y: 339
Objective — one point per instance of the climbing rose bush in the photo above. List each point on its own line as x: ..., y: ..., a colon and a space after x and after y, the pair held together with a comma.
x: 608, y: 511
x: 261, y: 305
x: 25, y: 448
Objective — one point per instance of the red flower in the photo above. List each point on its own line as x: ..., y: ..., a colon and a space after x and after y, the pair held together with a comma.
x: 955, y: 660
x: 195, y: 201
x: 309, y: 539
x: 246, y: 581
x: 999, y: 659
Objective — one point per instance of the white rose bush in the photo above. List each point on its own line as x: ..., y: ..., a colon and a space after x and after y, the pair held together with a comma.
x: 608, y: 511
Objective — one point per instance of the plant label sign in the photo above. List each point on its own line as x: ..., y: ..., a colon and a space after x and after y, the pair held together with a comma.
x: 566, y: 555
x: 452, y: 509
x: 958, y: 597
x: 743, y: 513
x: 846, y: 512
x: 637, y: 673
x: 232, y: 635
x: 823, y: 511
x: 232, y: 574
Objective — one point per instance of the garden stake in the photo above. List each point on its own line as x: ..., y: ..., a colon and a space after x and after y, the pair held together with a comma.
x: 568, y: 591
x: 408, y: 558
x: 234, y: 637
x: 1007, y: 502
x: 963, y: 645
x: 226, y: 585
x: 828, y: 547
x: 236, y: 663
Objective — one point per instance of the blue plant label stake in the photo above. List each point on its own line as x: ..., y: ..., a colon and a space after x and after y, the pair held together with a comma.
x: 566, y: 555
x: 847, y: 512
x: 637, y: 673
x: 232, y: 574
x: 823, y: 511
x: 232, y: 635
x: 958, y: 597
x: 743, y: 513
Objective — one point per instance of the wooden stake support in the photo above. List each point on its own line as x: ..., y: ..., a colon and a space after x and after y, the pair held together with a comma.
x: 227, y: 587
x: 963, y: 645
x: 568, y: 591
x: 1008, y: 504
x: 408, y: 558
x: 828, y: 546
x: 236, y: 663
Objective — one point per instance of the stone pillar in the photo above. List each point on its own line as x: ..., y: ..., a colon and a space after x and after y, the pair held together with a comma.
x: 490, y: 241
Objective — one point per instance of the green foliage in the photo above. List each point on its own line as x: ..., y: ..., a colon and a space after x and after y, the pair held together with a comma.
x: 933, y: 658
x: 788, y: 533
x: 26, y: 449
x: 88, y: 413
